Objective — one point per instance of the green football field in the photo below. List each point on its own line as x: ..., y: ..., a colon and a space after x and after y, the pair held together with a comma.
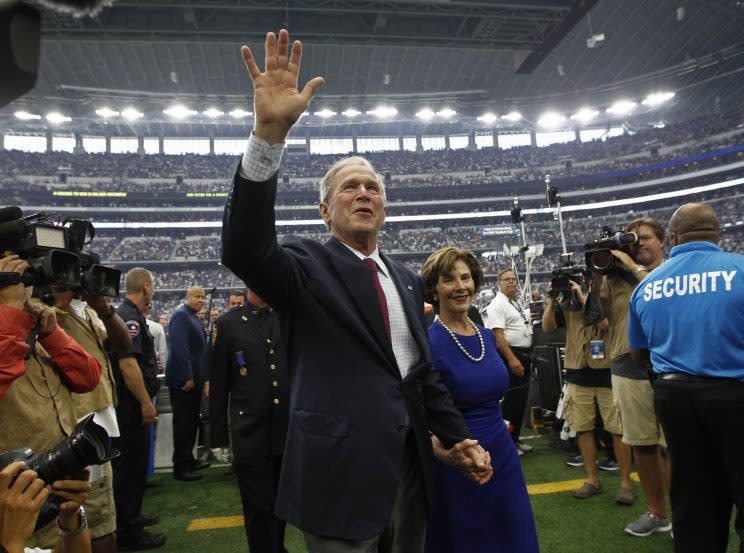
x: 205, y: 515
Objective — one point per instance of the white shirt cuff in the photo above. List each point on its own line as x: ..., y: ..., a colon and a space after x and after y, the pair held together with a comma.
x: 260, y: 160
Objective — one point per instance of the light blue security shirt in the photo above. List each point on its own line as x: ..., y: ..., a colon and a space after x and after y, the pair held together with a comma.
x: 689, y: 313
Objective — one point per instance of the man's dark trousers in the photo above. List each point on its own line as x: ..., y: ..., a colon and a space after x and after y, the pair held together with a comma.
x: 702, y: 424
x: 130, y: 468
x: 258, y: 480
x: 515, y: 399
x: 186, y: 407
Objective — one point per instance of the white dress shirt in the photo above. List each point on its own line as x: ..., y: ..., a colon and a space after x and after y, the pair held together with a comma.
x: 512, y: 318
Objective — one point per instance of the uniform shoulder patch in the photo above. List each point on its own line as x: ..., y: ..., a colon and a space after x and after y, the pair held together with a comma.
x: 133, y: 327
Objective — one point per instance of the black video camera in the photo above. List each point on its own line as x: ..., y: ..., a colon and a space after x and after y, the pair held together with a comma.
x: 54, y: 253
x: 88, y: 445
x: 563, y: 275
x: 598, y: 253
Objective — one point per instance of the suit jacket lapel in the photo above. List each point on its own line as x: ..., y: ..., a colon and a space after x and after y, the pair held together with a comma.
x: 357, y: 280
x: 407, y: 298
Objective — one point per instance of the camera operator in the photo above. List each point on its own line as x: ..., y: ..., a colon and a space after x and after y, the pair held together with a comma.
x: 630, y: 383
x: 23, y: 494
x: 98, y: 329
x: 589, y: 381
x: 37, y: 411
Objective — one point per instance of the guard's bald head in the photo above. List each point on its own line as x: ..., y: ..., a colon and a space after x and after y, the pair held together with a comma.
x: 695, y: 222
x: 195, y: 291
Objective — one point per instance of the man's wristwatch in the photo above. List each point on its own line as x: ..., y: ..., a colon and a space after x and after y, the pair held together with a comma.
x: 640, y: 269
x: 72, y: 533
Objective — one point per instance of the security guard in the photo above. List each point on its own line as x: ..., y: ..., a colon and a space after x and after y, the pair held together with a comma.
x: 689, y: 314
x: 248, y: 382
x: 135, y: 371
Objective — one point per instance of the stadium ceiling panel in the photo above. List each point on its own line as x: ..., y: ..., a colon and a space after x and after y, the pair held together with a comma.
x: 469, y: 55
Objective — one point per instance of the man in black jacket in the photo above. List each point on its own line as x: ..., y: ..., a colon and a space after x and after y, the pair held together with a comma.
x: 249, y: 388
x: 364, y: 397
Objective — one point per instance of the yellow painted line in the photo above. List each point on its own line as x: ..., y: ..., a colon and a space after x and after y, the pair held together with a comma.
x: 533, y: 489
x: 216, y: 522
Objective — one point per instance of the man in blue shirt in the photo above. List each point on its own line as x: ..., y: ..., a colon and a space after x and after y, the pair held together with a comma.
x: 688, y: 314
x: 186, y: 344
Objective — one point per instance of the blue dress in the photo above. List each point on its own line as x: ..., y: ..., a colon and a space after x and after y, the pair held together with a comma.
x: 467, y: 517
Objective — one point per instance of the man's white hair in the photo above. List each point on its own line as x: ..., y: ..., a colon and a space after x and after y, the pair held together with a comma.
x: 326, y: 185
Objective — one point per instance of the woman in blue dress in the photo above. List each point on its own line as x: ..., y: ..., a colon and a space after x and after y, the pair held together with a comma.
x: 467, y: 517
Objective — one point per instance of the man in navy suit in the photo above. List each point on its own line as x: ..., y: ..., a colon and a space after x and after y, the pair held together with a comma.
x: 186, y: 343
x: 365, y: 404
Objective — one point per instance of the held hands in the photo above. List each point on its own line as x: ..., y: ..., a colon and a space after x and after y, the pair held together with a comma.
x: 277, y: 102
x: 19, y: 505
x: 467, y: 456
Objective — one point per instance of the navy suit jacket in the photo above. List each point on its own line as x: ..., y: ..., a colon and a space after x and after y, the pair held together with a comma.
x: 186, y: 343
x: 349, y: 405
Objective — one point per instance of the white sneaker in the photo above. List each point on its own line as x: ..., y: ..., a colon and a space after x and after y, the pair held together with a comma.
x: 524, y: 448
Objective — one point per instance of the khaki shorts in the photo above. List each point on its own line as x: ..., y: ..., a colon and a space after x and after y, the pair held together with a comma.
x: 100, y: 508
x: 580, y: 411
x: 635, y: 398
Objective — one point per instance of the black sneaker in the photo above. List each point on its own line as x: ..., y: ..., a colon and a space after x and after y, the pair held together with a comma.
x: 145, y: 540
x: 146, y: 520
x: 575, y: 461
x: 608, y: 464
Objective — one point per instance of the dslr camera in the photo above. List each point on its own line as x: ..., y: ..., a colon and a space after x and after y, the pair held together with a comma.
x: 563, y: 275
x: 54, y: 252
x: 89, y: 444
x: 598, y: 253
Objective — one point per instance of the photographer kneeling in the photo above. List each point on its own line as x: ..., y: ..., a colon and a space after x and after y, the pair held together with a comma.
x: 37, y: 410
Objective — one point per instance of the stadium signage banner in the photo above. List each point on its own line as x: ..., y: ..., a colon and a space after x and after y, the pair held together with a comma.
x: 87, y: 194
x: 206, y: 194
x: 498, y: 230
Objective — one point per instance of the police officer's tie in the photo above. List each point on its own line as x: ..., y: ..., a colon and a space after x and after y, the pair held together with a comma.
x: 372, y: 266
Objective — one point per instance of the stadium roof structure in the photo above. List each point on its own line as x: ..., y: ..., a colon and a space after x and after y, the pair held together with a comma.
x: 468, y: 55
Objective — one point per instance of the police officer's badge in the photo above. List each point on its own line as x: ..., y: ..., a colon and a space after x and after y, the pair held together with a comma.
x: 134, y: 328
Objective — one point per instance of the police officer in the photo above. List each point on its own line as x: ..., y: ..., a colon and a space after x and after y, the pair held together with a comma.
x: 249, y: 387
x: 689, y: 314
x: 135, y: 371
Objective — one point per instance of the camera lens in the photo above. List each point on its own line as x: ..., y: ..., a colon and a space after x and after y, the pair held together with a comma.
x: 601, y: 260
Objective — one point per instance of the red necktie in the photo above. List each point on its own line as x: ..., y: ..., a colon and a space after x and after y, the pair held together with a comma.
x: 372, y: 266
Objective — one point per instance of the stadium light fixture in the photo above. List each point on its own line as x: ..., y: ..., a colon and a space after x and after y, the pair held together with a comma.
x: 488, y: 117
x: 325, y: 113
x: 383, y: 112
x: 131, y: 114
x: 584, y: 115
x: 238, y: 113
x: 657, y: 98
x: 26, y: 116
x: 622, y: 107
x: 107, y: 113
x: 425, y: 114
x: 551, y: 119
x: 351, y: 112
x: 213, y: 113
x: 446, y: 113
x: 179, y: 112
x: 513, y: 116
x: 56, y: 118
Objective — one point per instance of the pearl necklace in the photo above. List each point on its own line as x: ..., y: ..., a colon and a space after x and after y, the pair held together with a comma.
x: 459, y: 345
